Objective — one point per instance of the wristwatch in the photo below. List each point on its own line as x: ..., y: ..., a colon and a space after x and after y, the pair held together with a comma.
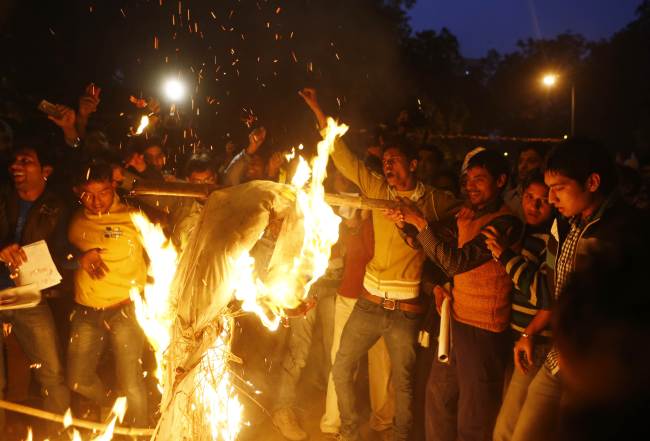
x: 75, y: 143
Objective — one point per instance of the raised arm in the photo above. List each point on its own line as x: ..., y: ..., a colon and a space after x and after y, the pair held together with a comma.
x: 371, y: 184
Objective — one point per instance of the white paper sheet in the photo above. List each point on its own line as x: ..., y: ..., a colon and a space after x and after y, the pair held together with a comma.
x: 444, y: 338
x: 39, y: 269
x: 20, y: 297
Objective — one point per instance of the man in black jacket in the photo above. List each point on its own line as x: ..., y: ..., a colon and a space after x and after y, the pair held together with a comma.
x: 30, y: 212
x: 594, y: 222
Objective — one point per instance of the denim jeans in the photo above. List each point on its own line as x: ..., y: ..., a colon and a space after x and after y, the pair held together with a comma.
x: 515, y: 396
x: 300, y: 343
x: 35, y: 331
x: 539, y: 414
x: 90, y: 329
x: 366, y: 324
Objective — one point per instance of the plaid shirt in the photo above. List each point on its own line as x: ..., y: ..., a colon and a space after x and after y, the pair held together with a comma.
x: 565, y: 266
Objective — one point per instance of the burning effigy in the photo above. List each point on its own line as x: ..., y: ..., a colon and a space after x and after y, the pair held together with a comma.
x: 185, y: 310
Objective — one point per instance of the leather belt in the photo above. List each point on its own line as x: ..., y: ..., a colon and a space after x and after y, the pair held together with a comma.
x: 393, y: 304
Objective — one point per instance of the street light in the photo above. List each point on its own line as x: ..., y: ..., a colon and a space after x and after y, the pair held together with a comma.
x: 549, y: 80
x: 174, y: 89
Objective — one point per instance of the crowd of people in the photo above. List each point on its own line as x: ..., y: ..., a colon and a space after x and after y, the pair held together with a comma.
x: 539, y: 260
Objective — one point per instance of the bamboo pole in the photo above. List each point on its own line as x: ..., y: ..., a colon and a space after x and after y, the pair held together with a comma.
x: 38, y: 413
x: 184, y: 189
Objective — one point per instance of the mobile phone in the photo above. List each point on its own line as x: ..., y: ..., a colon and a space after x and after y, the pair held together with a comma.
x: 49, y: 109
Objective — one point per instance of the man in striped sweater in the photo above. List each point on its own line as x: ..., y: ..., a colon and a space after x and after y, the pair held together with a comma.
x: 531, y: 300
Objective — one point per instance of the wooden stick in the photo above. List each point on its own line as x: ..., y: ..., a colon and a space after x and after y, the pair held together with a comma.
x: 185, y: 189
x: 362, y: 203
x: 133, y: 431
x: 180, y: 189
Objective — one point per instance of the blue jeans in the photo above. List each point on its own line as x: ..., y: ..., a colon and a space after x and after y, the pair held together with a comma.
x: 35, y: 331
x: 90, y: 329
x: 515, y: 396
x: 366, y: 324
x: 300, y: 343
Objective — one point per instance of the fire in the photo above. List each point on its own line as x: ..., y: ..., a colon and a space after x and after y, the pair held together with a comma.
x: 118, y: 411
x: 154, y: 311
x: 144, y: 122
x: 67, y: 419
x: 308, y: 233
x: 319, y: 225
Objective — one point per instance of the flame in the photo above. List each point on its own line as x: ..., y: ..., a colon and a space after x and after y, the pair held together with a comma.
x: 214, y: 401
x: 30, y: 436
x: 154, y: 312
x: 144, y: 122
x: 117, y: 413
x: 215, y: 394
x: 320, y: 226
x: 67, y: 419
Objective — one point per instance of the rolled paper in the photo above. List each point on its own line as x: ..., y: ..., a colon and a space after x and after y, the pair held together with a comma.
x: 444, y: 338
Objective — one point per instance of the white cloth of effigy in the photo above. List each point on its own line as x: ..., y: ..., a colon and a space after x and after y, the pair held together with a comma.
x: 231, y: 223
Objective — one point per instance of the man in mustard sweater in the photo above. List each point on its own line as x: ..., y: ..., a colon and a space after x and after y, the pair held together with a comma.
x: 463, y: 398
x: 388, y: 306
x: 111, y: 262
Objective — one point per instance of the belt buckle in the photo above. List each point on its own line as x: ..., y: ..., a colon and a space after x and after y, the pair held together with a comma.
x: 389, y: 304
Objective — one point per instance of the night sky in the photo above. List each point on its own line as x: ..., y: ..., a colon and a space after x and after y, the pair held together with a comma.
x: 481, y: 25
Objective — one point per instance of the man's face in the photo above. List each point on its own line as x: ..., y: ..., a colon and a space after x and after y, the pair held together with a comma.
x: 118, y: 175
x: 534, y: 202
x: 481, y: 187
x: 155, y: 157
x: 27, y: 172
x: 529, y: 160
x: 202, y: 177
x: 255, y: 169
x: 567, y: 195
x: 397, y: 168
x: 97, y: 196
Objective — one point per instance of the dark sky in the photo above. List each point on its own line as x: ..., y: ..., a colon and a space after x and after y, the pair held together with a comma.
x: 481, y: 25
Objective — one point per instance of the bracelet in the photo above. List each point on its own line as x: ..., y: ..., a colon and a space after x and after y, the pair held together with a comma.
x: 525, y: 335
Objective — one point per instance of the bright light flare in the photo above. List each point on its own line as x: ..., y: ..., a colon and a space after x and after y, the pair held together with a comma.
x: 549, y: 80
x: 144, y: 122
x: 67, y: 419
x: 174, y: 90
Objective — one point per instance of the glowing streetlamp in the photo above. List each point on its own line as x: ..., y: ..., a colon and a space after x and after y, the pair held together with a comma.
x: 549, y: 80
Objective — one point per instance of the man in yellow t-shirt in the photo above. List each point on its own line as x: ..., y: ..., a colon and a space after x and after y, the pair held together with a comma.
x: 111, y: 262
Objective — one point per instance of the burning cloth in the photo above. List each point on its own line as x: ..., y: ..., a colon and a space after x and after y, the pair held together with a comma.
x: 215, y: 264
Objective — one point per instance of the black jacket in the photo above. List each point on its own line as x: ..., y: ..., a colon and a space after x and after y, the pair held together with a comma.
x: 47, y: 220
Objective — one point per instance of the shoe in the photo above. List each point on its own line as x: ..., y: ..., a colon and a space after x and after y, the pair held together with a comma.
x: 287, y: 423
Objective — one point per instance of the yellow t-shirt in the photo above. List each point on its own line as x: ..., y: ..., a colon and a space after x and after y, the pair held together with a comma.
x: 122, y: 252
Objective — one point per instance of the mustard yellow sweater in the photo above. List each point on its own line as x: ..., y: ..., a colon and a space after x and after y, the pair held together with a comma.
x: 116, y: 236
x: 396, y: 268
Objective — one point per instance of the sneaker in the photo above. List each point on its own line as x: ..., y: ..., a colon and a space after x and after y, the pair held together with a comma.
x: 287, y: 423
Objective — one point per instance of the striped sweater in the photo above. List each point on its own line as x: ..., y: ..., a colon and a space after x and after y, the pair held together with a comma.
x: 395, y: 269
x: 532, y: 279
